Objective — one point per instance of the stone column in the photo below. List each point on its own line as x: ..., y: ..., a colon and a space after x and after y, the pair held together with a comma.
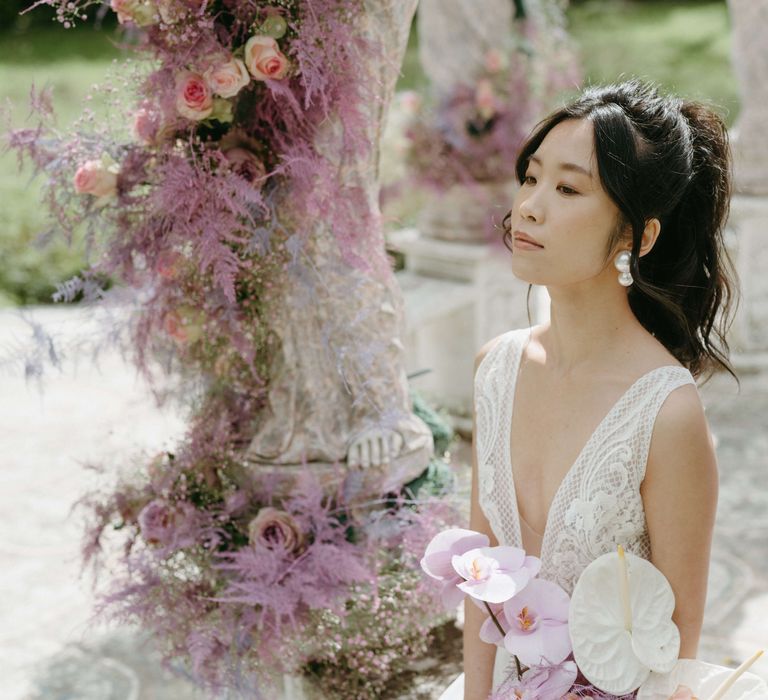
x: 748, y: 226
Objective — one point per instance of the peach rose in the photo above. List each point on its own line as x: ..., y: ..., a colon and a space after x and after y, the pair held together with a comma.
x: 194, y: 99
x: 141, y: 12
x: 264, y: 59
x: 228, y: 78
x: 96, y: 177
x: 275, y: 529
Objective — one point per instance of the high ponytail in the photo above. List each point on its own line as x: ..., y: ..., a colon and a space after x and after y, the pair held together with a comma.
x: 670, y: 159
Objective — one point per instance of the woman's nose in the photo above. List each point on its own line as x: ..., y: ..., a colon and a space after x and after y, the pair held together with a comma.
x: 530, y: 208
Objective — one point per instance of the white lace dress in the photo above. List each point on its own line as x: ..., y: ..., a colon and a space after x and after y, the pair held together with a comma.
x: 598, y: 505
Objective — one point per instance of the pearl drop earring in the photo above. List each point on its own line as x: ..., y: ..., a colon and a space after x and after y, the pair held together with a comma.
x: 621, y: 263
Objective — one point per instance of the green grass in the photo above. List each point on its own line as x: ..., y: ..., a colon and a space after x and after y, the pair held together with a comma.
x: 683, y: 45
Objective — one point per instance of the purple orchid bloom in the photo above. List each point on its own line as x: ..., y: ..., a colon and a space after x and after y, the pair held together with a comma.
x: 495, y: 574
x: 538, y: 624
x: 439, y: 554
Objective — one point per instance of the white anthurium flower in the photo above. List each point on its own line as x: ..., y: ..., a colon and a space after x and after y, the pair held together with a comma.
x: 620, y: 623
x: 702, y: 681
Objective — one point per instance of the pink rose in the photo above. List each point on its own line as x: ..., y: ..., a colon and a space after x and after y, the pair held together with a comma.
x: 141, y: 12
x: 96, y: 178
x: 485, y: 99
x: 494, y: 61
x: 167, y: 524
x: 228, y: 78
x: 275, y: 529
x: 167, y: 264
x: 411, y: 102
x: 246, y: 165
x: 264, y: 59
x: 184, y: 325
x: 146, y: 124
x: 194, y: 99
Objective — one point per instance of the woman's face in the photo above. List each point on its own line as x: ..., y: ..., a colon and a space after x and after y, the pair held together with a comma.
x: 562, y: 205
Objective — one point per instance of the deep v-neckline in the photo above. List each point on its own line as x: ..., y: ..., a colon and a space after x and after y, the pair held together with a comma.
x: 509, y: 413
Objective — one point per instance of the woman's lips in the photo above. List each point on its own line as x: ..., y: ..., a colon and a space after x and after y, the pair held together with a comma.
x: 526, y: 245
x: 524, y: 241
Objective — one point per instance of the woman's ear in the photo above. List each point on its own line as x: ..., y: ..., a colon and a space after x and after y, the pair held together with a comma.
x: 650, y: 234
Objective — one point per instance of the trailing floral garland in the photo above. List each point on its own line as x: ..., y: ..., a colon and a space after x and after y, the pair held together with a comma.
x: 181, y: 216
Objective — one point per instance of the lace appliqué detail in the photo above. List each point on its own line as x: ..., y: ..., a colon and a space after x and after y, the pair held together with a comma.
x: 598, y: 505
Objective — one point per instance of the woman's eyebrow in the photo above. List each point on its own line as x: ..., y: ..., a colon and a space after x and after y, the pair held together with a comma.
x: 566, y: 166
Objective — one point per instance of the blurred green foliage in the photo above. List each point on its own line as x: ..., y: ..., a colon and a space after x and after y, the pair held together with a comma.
x: 684, y: 45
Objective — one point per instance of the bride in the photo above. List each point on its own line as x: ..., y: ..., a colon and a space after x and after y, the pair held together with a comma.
x: 589, y: 429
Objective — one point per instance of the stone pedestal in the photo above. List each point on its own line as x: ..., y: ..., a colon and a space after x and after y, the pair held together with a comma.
x: 457, y: 297
x: 748, y: 227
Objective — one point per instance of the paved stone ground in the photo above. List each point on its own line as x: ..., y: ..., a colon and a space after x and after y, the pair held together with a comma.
x: 49, y: 646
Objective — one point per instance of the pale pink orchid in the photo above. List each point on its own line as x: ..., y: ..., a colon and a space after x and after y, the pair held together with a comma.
x: 683, y: 692
x: 538, y: 683
x: 439, y: 554
x: 538, y: 624
x: 489, y: 632
x: 495, y: 574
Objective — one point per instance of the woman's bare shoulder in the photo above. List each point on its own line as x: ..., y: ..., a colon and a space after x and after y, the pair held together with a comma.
x: 682, y: 443
x: 492, y: 343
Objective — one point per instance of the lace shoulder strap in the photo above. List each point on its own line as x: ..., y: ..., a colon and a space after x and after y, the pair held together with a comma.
x: 492, y: 384
x: 671, y: 377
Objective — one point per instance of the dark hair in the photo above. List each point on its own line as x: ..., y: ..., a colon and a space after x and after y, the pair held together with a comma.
x: 664, y: 157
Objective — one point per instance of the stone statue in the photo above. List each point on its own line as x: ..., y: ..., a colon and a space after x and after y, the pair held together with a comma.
x: 338, y: 390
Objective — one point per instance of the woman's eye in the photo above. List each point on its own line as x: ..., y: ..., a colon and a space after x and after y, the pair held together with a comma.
x: 567, y: 190
x: 529, y: 180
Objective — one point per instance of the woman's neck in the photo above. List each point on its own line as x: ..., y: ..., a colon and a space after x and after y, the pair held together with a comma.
x: 583, y: 332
